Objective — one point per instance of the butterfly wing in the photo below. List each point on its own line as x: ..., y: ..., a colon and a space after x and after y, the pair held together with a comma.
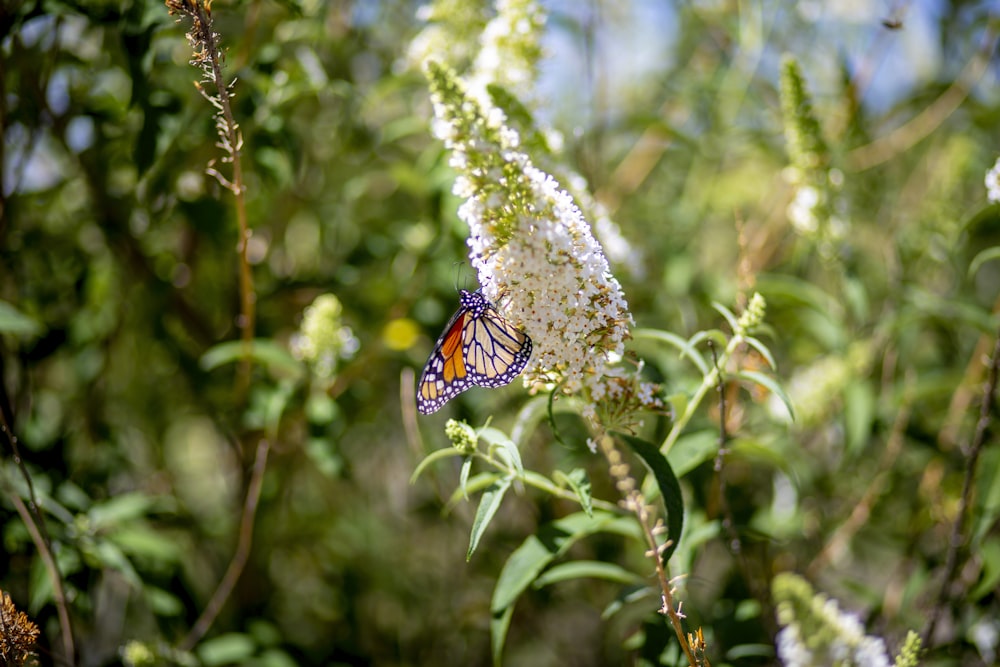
x: 496, y: 350
x: 445, y: 375
x: 478, y: 347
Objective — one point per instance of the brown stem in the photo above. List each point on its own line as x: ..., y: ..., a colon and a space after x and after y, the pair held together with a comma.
x: 956, y: 541
x: 233, y: 142
x: 240, y: 555
x: 35, y: 524
x: 634, y: 501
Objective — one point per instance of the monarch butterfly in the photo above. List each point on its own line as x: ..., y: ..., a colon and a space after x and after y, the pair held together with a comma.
x: 478, y: 347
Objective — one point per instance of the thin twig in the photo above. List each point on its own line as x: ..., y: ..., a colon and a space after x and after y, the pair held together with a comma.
x: 35, y: 523
x: 956, y: 541
x: 208, y: 55
x: 240, y: 555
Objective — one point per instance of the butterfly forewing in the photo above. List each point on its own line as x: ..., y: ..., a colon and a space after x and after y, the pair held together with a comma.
x: 478, y: 347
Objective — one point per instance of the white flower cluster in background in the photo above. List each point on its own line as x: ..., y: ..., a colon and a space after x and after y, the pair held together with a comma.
x: 323, y: 340
x: 510, y: 48
x: 993, y: 182
x: 817, y: 633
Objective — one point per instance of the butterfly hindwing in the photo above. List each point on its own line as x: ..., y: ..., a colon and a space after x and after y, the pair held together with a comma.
x: 478, y: 347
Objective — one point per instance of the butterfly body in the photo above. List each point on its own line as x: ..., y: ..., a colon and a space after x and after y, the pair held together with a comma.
x: 479, y: 347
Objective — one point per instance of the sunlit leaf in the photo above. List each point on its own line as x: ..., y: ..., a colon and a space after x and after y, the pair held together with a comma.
x: 489, y: 503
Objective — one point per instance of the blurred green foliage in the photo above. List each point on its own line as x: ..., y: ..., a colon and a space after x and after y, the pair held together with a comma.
x: 118, y: 273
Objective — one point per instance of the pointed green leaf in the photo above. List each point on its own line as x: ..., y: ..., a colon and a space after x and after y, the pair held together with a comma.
x: 728, y: 314
x: 488, y: 505
x: 263, y: 351
x: 504, y: 447
x: 685, y: 347
x: 463, y: 478
x: 579, y: 482
x: 983, y: 257
x: 475, y: 484
x: 769, y: 383
x: 433, y: 457
x: 587, y: 569
x: 670, y: 488
x: 764, y: 351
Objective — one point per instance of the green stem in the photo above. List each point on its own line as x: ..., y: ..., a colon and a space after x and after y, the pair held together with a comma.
x: 543, y: 483
x: 707, y: 383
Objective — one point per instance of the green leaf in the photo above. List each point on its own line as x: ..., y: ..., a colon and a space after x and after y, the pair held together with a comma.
x: 537, y: 551
x: 728, y: 314
x: 581, y: 569
x: 764, y: 351
x: 489, y: 503
x: 163, y: 603
x: 263, y: 351
x: 771, y: 385
x: 691, y: 450
x: 859, y: 413
x: 504, y: 447
x: 475, y: 484
x: 670, y: 488
x: 119, y: 509
x: 989, y: 554
x: 226, y: 649
x: 141, y: 541
x: 463, y: 477
x: 579, y: 482
x: 684, y: 346
x: 16, y: 323
x: 982, y: 257
x: 433, y: 457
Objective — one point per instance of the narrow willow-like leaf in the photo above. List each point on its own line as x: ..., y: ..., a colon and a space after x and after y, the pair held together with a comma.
x: 489, y: 503
x: 475, y: 484
x: 670, y: 488
x: 728, y: 314
x: 768, y: 383
x: 684, y: 346
x: 463, y: 477
x: 587, y: 569
x: 433, y: 457
x: 504, y: 447
x: 691, y: 450
x: 764, y: 351
x: 535, y: 554
x: 579, y: 482
x: 981, y: 258
x: 263, y: 351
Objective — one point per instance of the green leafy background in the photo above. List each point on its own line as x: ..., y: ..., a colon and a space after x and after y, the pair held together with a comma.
x: 118, y: 273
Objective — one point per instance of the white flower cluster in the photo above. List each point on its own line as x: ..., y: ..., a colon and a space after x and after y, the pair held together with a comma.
x: 835, y: 638
x: 851, y: 649
x: 534, y: 252
x: 993, y: 182
x: 510, y: 47
x: 556, y: 283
